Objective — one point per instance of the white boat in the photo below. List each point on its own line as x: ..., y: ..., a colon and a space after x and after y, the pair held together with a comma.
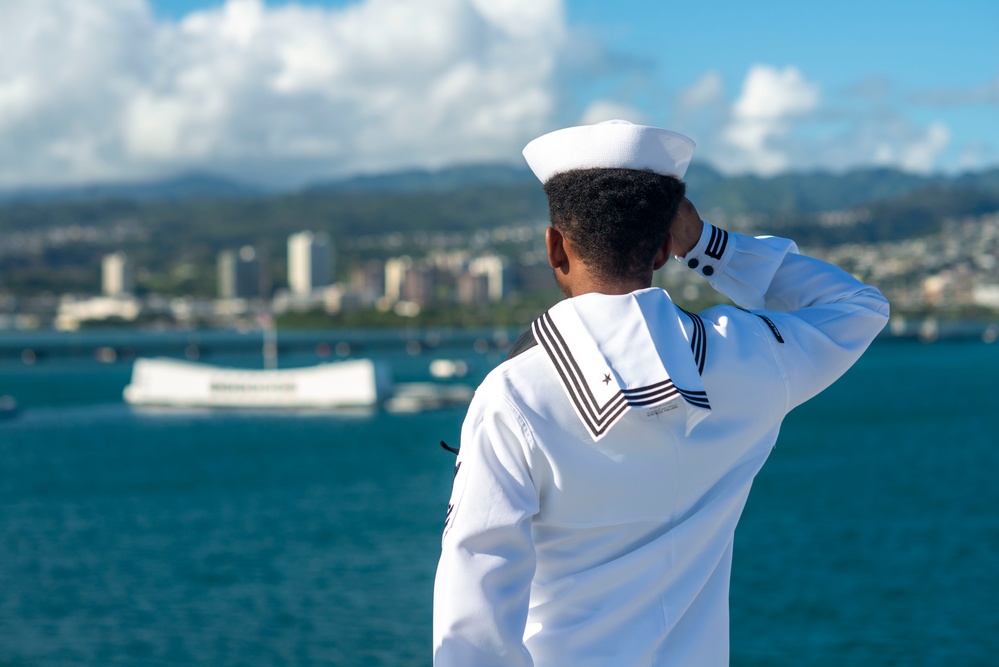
x: 420, y: 396
x: 448, y: 368
x: 343, y: 384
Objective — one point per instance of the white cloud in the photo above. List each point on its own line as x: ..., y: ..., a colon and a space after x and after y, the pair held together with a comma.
x: 601, y: 110
x: 781, y: 120
x: 103, y: 90
x: 984, y: 94
x: 973, y: 156
x: 707, y: 91
x: 95, y: 90
x: 65, y: 75
x: 702, y: 112
x: 764, y: 115
x: 771, y: 94
x: 922, y: 155
x: 917, y: 153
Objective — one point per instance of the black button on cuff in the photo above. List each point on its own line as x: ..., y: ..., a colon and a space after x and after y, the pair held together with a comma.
x: 708, y: 270
x: 693, y: 263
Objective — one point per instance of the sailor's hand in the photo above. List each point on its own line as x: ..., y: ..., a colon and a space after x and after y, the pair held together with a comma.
x: 686, y: 228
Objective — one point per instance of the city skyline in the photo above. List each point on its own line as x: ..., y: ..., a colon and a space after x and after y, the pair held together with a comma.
x: 952, y: 272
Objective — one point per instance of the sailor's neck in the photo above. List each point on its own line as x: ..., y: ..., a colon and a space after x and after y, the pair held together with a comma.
x: 611, y: 288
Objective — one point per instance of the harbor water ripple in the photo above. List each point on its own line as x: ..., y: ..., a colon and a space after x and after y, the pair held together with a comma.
x: 137, y: 537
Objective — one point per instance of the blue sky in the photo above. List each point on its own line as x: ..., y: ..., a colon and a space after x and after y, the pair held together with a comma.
x: 288, y: 92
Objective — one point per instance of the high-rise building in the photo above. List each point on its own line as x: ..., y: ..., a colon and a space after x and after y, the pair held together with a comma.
x: 239, y: 274
x: 116, y: 275
x: 396, y: 269
x: 369, y: 279
x: 497, y: 275
x: 420, y: 285
x: 310, y: 262
x: 473, y: 289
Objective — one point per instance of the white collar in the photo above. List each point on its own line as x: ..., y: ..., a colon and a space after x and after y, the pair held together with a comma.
x: 613, y: 353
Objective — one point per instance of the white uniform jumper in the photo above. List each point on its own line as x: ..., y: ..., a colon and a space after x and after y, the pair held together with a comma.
x: 602, y: 472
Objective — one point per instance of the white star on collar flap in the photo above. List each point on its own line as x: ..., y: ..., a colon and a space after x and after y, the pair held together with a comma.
x: 602, y: 349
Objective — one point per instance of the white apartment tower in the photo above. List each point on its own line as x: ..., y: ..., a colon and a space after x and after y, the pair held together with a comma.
x: 116, y: 275
x: 396, y: 269
x: 310, y: 262
x: 495, y: 271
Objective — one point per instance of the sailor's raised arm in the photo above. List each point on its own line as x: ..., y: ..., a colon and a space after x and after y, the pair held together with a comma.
x: 819, y: 317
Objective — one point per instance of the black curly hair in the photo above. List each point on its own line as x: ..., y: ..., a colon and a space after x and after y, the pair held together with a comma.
x: 616, y: 219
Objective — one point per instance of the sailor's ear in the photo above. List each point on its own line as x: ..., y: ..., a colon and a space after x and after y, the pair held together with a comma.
x: 663, y: 253
x: 554, y: 243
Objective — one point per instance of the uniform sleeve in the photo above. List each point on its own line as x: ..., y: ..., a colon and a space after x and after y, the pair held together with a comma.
x: 487, y: 562
x: 819, y: 318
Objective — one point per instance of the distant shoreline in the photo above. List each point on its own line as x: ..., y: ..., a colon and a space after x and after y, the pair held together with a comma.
x: 125, y: 345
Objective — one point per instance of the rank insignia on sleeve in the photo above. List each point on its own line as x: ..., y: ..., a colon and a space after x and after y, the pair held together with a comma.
x: 457, y: 489
x: 773, y: 328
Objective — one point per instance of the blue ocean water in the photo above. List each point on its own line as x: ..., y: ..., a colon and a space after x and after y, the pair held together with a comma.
x: 133, y: 537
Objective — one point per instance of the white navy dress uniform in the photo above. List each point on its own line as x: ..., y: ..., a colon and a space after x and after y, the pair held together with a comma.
x: 602, y: 471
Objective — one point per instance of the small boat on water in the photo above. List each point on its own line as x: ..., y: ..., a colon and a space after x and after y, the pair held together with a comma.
x: 421, y: 396
x: 448, y: 368
x: 8, y: 407
x: 342, y: 384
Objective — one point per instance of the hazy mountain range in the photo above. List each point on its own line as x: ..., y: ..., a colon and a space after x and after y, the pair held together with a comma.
x: 53, y: 240
x: 797, y: 192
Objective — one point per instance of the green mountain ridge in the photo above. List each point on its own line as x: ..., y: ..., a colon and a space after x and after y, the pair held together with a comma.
x: 799, y: 192
x: 56, y: 245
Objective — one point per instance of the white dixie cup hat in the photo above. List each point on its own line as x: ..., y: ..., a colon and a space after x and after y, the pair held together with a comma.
x: 613, y: 144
